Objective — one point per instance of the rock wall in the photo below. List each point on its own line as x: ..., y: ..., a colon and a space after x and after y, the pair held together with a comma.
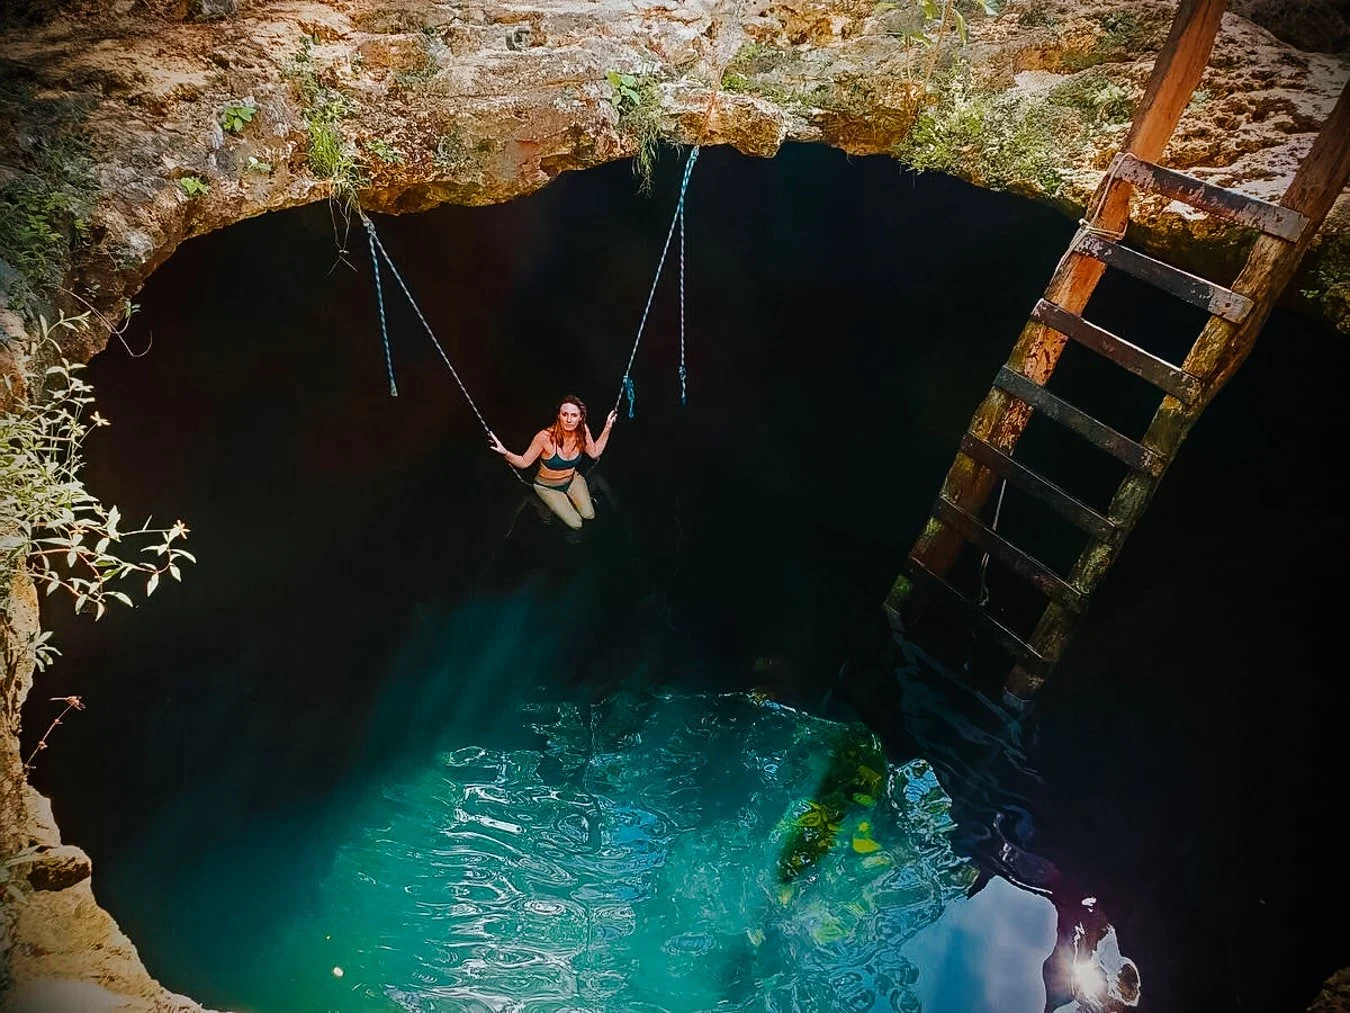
x: 413, y: 103
x: 128, y: 126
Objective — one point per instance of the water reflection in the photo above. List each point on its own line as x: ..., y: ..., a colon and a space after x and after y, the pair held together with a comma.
x: 986, y: 952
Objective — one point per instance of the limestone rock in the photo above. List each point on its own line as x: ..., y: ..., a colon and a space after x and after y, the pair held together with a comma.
x: 1335, y: 994
x: 480, y: 102
x: 212, y: 10
x: 54, y: 868
x: 1315, y: 26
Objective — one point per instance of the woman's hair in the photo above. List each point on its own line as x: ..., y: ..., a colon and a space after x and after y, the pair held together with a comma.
x: 556, y: 431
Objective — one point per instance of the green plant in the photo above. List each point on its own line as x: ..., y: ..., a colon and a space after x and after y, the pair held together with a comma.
x: 53, y: 525
x: 383, y: 150
x: 451, y: 152
x: 998, y: 140
x: 258, y: 165
x: 433, y: 50
x: 1037, y: 14
x: 732, y: 82
x: 44, y: 212
x: 331, y: 156
x: 237, y: 115
x: 928, y: 23
x: 754, y: 58
x: 637, y: 103
x: 194, y: 186
x: 1123, y: 34
x: 11, y: 881
x: 1327, y: 285
x: 1100, y: 99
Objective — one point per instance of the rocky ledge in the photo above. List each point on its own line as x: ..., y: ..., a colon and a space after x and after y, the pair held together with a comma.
x: 127, y: 126
x: 170, y: 118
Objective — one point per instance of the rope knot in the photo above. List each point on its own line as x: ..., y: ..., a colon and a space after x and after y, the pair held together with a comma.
x: 630, y: 392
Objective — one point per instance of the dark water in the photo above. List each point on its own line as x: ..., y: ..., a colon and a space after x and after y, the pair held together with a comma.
x: 373, y: 590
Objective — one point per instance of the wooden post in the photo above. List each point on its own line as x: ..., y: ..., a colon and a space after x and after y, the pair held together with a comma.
x: 1001, y: 418
x: 1218, y: 352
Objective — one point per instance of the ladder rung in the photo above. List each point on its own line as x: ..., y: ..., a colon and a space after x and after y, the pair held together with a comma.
x: 1162, y: 374
x: 1005, y: 637
x: 1212, y: 298
x: 1079, y: 514
x: 1271, y: 219
x: 1100, y: 435
x: 980, y: 535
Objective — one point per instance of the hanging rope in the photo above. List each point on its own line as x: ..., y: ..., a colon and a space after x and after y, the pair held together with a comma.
x: 379, y: 301
x: 627, y: 389
x: 983, y: 598
x: 389, y: 261
x: 626, y: 386
x: 684, y: 373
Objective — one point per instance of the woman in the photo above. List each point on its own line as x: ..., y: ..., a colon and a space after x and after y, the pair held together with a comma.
x: 557, y: 482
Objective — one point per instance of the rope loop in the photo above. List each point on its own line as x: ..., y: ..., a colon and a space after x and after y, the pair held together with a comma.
x: 1087, y: 224
x: 676, y: 219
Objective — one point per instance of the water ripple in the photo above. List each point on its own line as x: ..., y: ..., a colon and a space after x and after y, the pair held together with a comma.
x: 632, y: 862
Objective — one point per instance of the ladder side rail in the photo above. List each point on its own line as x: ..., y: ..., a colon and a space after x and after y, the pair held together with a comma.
x: 1218, y: 352
x: 1001, y: 418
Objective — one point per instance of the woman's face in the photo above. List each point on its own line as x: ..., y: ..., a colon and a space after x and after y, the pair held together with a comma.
x: 570, y: 416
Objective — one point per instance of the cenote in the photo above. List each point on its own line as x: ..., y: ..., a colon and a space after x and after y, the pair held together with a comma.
x: 396, y: 743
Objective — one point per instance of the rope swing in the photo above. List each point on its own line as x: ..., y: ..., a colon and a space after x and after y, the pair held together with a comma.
x: 626, y: 386
x: 375, y: 245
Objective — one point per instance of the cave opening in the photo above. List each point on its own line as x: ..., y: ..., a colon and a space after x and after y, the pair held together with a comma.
x: 376, y: 600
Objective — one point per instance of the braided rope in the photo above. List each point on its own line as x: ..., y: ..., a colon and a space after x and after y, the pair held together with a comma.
x: 384, y: 324
x: 684, y: 373
x: 626, y: 387
x: 375, y: 241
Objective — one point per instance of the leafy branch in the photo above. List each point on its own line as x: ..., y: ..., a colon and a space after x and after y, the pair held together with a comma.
x: 52, y: 524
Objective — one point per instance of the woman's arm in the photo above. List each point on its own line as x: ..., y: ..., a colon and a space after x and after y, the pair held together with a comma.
x: 594, y: 448
x: 524, y: 460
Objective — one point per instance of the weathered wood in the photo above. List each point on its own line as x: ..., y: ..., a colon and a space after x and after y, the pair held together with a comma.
x: 1159, y: 372
x: 1191, y: 288
x: 1000, y: 419
x: 1218, y: 352
x: 995, y: 630
x: 1100, y: 435
x: 1077, y: 513
x: 1272, y: 219
x: 1026, y: 566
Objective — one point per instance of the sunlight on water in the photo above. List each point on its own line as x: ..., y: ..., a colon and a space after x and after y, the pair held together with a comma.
x: 633, y: 862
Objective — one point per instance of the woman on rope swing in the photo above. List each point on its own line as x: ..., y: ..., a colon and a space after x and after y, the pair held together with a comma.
x: 557, y: 482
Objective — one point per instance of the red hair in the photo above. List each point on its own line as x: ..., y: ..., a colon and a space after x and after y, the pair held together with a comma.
x: 557, y: 433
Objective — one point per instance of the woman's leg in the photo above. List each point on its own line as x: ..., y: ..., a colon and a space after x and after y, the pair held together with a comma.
x: 557, y: 501
x: 580, y: 495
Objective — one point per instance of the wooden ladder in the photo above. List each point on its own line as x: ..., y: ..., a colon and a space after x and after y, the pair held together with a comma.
x: 1236, y: 316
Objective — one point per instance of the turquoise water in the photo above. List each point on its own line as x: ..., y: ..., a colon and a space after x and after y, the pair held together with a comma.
x: 632, y: 862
